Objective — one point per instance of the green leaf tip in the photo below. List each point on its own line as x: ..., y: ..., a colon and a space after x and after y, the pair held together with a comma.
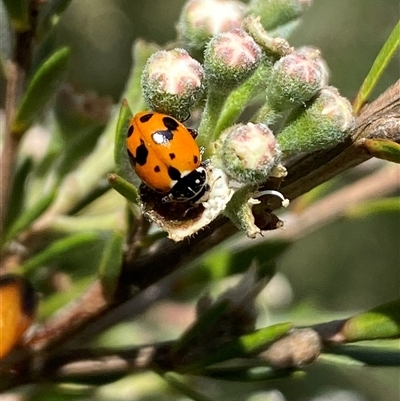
x: 111, y: 263
x: 382, y: 149
x: 122, y: 165
x: 380, y: 322
x: 379, y: 65
x: 123, y: 187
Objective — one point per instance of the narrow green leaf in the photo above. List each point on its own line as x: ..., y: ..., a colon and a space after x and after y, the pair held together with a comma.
x: 260, y: 339
x: 29, y: 216
x: 102, y: 187
x: 66, y: 224
x: 177, y: 381
x: 53, y: 302
x: 18, y: 11
x: 253, y: 374
x: 377, y: 68
x: 122, y: 165
x: 125, y: 188
x: 111, y: 263
x: 41, y: 88
x: 372, y: 356
x: 382, y: 149
x: 366, y: 209
x: 57, y: 249
x: 240, y: 97
x: 247, y: 344
x: 380, y: 322
x: 18, y: 192
x: 337, y: 360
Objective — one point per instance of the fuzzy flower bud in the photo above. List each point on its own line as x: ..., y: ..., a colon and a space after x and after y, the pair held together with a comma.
x: 294, y: 80
x: 312, y: 53
x: 249, y: 152
x: 274, y: 13
x: 172, y: 82
x: 202, y: 19
x: 230, y: 58
x: 324, y: 124
x: 301, y: 347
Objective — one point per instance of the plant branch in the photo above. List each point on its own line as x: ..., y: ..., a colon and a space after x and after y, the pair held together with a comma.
x: 17, y: 71
x: 15, y: 78
x: 298, y: 348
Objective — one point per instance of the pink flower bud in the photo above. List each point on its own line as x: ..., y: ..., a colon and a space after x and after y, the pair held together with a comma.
x: 201, y: 19
x: 295, y: 79
x: 230, y: 58
x: 172, y: 82
x: 249, y: 152
x: 314, y: 54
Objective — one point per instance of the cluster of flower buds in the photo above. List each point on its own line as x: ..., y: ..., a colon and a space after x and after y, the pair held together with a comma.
x: 240, y: 58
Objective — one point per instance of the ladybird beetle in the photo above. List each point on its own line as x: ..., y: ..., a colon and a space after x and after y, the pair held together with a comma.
x: 166, y: 157
x: 17, y: 309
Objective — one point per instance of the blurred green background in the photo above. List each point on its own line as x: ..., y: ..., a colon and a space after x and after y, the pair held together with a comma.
x: 347, y: 266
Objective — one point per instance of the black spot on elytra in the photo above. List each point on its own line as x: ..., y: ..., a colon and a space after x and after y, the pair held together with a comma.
x: 157, y: 169
x: 195, y: 159
x: 141, y: 154
x: 131, y: 158
x: 174, y: 173
x: 172, y: 156
x: 130, y: 131
x: 170, y: 123
x: 146, y: 117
